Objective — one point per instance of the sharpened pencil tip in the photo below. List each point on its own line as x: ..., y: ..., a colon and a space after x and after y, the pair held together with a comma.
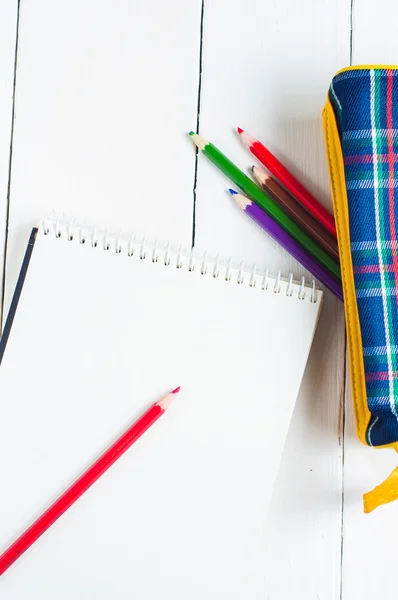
x: 241, y: 200
x: 167, y: 400
x: 233, y: 192
x: 199, y: 142
x: 246, y: 139
x: 259, y: 175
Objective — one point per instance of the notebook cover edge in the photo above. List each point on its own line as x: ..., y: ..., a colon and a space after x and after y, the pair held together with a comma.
x: 17, y: 292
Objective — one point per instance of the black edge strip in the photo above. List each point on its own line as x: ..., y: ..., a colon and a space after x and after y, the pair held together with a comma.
x: 17, y: 292
x: 9, y: 168
x: 198, y: 106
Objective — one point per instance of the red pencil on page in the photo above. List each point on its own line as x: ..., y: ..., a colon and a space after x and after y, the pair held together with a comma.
x: 289, y: 182
x: 85, y: 481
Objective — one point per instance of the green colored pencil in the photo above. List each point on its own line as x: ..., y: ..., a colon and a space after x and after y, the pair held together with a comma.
x: 250, y: 189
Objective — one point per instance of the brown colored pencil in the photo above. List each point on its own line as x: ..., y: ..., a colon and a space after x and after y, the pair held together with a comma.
x: 297, y: 212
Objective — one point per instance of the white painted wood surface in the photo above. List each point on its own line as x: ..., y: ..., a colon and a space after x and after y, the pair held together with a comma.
x: 262, y: 77
x: 95, y: 76
x: 8, y: 31
x: 96, y: 83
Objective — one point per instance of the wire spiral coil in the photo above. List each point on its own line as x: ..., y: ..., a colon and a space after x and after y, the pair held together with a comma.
x: 178, y: 257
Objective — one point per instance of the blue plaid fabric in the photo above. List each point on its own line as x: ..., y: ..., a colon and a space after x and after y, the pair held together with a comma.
x: 365, y: 103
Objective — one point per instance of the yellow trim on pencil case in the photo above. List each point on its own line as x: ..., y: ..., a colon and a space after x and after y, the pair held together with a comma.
x: 363, y: 67
x: 340, y: 205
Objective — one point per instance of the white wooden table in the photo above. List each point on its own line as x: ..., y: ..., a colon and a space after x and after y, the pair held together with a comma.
x: 96, y: 82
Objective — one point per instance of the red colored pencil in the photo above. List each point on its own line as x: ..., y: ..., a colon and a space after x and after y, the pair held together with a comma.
x: 85, y: 481
x: 289, y: 182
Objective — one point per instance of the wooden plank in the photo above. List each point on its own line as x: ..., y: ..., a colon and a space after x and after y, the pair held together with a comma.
x: 8, y: 30
x: 369, y: 565
x: 267, y: 67
x: 374, y: 39
x: 369, y: 540
x: 97, y: 82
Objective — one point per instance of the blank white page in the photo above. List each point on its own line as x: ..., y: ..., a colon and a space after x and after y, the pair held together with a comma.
x: 97, y: 337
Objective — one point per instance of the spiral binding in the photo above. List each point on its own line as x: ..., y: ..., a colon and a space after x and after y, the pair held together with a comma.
x: 178, y: 257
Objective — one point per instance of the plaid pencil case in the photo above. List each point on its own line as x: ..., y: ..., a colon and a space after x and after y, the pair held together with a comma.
x: 360, y: 122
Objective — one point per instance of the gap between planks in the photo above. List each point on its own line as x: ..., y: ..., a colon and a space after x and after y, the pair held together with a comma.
x: 3, y: 287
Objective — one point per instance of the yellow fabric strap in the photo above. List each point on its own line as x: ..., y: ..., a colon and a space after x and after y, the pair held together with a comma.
x: 388, y: 490
x: 382, y: 494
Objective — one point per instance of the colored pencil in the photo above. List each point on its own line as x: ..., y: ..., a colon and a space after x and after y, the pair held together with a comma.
x: 288, y: 243
x: 293, y: 186
x: 297, y: 211
x: 77, y: 489
x: 250, y: 189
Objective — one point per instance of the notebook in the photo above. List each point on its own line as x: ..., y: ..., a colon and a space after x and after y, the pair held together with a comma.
x: 100, y: 327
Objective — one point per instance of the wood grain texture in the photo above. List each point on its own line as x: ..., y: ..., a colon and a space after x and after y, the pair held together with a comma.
x: 97, y: 82
x: 8, y: 30
x: 374, y: 39
x: 369, y: 564
x: 92, y: 78
x: 267, y: 68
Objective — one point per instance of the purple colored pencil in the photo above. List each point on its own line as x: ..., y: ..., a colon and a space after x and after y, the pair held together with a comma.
x: 288, y: 243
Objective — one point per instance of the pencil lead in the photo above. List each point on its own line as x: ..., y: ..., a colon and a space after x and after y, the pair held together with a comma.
x: 239, y: 130
x: 176, y: 390
x: 191, y: 133
x: 233, y: 192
